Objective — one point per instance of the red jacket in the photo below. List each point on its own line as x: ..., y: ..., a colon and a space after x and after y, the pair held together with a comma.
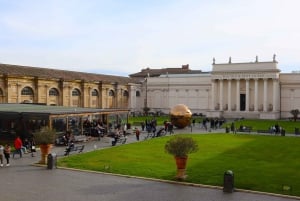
x: 18, y: 143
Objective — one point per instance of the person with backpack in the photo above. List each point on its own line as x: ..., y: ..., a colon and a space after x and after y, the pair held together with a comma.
x: 7, y: 154
x: 137, y: 134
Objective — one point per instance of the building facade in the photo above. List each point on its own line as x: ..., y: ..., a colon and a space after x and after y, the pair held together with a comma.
x: 23, y: 84
x: 255, y: 90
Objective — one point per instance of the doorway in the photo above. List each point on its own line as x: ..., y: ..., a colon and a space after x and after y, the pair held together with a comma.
x: 242, y: 102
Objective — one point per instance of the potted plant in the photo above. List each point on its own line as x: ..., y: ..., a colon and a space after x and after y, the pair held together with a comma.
x: 180, y: 147
x: 45, y: 137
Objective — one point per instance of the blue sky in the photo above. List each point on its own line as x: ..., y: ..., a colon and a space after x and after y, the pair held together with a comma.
x: 121, y: 37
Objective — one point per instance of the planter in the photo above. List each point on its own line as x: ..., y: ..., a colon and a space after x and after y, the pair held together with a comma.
x: 181, y: 167
x: 181, y: 162
x: 180, y: 147
x: 45, y: 150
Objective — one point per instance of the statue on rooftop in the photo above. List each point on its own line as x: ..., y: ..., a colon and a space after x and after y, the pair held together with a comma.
x: 274, y: 57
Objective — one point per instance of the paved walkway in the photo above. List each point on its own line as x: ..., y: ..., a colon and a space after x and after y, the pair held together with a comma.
x: 22, y: 181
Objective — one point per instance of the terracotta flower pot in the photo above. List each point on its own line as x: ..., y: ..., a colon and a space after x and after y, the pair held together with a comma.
x: 181, y: 162
x: 45, y: 150
x: 181, y: 166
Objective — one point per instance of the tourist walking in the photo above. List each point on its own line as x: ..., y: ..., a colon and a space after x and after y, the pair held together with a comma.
x: 18, y: 146
x: 7, y: 153
x: 32, y: 146
x: 1, y: 155
x: 137, y: 134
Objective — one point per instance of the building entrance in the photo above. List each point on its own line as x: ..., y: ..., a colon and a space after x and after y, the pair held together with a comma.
x: 242, y: 102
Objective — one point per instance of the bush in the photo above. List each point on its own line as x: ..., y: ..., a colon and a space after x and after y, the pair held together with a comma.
x: 44, y: 136
x: 181, y: 146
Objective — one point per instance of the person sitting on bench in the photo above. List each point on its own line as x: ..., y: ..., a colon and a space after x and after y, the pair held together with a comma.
x: 70, y: 147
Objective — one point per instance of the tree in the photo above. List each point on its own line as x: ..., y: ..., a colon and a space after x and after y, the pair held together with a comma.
x: 295, y: 114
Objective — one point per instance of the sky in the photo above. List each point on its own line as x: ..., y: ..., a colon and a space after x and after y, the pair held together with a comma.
x: 122, y: 37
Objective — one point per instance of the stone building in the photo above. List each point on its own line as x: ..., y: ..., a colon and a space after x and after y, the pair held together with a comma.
x: 23, y: 84
x: 251, y: 90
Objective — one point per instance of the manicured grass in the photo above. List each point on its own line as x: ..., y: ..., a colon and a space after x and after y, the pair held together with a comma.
x: 258, y: 124
x: 159, y: 119
x: 261, y: 163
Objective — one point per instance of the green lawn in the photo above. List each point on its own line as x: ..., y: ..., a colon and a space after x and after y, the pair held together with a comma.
x: 258, y: 124
x: 160, y: 119
x: 261, y: 163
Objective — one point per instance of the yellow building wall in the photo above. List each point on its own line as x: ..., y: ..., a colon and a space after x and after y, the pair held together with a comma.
x: 11, y: 92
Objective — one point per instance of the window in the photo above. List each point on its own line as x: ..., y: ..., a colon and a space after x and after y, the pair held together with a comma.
x: 111, y: 93
x: 1, y: 92
x: 75, y: 92
x: 125, y: 93
x: 137, y: 93
x: 53, y: 92
x: 27, y: 91
x: 94, y: 92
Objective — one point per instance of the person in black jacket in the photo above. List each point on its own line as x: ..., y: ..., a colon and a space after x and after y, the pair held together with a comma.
x: 32, y: 145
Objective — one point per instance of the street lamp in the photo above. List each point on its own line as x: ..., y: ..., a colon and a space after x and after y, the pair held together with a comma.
x: 146, y: 91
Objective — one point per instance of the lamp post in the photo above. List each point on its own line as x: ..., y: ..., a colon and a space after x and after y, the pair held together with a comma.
x: 146, y: 95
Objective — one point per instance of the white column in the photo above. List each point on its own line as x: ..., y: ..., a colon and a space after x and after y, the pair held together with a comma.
x: 255, y: 94
x: 247, y: 95
x: 238, y: 95
x: 213, y: 83
x: 275, y: 94
x: 221, y: 95
x: 229, y: 95
x: 265, y: 94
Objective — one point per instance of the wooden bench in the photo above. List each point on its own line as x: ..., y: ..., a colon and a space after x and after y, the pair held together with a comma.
x: 78, y: 148
x: 263, y: 131
x: 121, y: 140
x: 247, y: 129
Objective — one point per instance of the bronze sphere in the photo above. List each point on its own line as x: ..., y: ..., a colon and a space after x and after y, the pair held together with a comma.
x: 180, y: 116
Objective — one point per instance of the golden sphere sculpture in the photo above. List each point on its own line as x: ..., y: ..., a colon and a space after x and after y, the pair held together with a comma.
x: 180, y: 116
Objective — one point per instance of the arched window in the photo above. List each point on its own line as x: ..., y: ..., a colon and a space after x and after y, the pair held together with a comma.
x: 94, y: 92
x: 137, y: 93
x: 111, y: 93
x: 53, y: 92
x: 27, y: 91
x: 75, y: 92
x: 125, y: 93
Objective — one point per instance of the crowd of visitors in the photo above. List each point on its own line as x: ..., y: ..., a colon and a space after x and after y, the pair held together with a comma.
x: 20, y: 148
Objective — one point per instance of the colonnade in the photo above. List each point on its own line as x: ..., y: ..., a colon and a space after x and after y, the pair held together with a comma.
x: 257, y: 94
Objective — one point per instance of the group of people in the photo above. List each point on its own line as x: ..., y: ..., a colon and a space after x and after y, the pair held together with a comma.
x: 23, y: 147
x: 212, y: 123
x: 275, y: 129
x: 20, y: 148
